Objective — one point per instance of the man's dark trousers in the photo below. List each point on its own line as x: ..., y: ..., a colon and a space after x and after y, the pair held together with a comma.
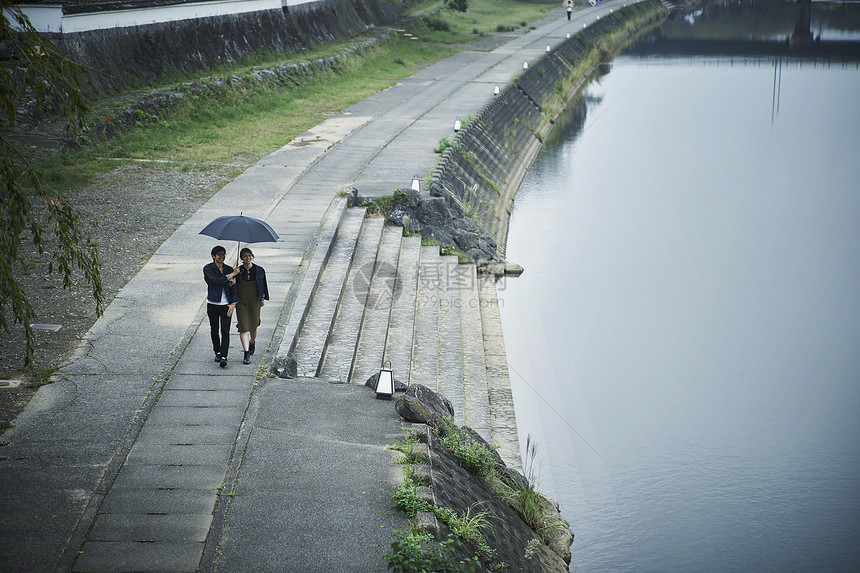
x: 219, y: 324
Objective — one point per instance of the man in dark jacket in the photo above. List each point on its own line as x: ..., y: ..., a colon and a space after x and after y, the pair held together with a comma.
x: 221, y: 299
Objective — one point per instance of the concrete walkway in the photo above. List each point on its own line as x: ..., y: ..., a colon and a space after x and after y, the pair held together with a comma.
x: 146, y: 456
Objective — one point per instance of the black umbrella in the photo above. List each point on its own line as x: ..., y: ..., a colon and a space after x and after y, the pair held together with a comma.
x: 240, y: 228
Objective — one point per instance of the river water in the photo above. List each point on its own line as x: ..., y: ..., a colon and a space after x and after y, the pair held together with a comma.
x: 684, y: 344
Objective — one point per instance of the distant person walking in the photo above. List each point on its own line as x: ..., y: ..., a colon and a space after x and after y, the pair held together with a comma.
x: 221, y: 299
x: 569, y: 7
x: 253, y: 292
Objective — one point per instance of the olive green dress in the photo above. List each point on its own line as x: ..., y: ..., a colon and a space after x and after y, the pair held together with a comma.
x: 248, y: 307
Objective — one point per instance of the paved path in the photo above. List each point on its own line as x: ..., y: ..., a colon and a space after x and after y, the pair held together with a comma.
x: 147, y: 456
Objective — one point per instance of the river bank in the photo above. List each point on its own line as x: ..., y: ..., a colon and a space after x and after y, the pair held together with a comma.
x: 482, y: 171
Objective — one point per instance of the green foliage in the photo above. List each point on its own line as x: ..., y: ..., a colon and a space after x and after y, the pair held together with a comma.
x: 449, y: 250
x: 511, y: 133
x: 457, y: 5
x: 481, y: 19
x: 415, y: 553
x: 474, y: 456
x: 437, y: 24
x: 406, y: 499
x: 142, y: 118
x: 472, y: 160
x: 603, y: 51
x: 528, y: 502
x: 473, y: 205
x: 444, y: 144
x: 406, y: 446
x: 225, y: 122
x: 531, y: 548
x: 471, y: 526
x: 386, y: 204
x: 42, y: 376
x: 37, y: 72
x: 5, y: 426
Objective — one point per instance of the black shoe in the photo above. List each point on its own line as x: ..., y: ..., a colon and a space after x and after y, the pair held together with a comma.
x: 247, y: 359
x: 223, y: 362
x: 251, y: 349
x: 217, y: 357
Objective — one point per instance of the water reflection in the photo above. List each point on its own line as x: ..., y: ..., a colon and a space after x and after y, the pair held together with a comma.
x: 802, y: 29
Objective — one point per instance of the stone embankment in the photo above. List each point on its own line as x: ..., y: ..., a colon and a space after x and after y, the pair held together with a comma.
x: 138, y: 55
x: 455, y: 469
x: 472, y: 190
x: 482, y: 171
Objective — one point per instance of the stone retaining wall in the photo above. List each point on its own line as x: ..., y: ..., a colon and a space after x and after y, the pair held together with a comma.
x: 444, y: 483
x: 138, y: 55
x: 486, y: 165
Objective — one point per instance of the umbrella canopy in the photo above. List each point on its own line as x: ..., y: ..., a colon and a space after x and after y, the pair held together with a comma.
x: 240, y: 228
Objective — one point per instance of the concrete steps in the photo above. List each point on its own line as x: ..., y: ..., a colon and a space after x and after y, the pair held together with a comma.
x: 503, y: 420
x: 340, y: 352
x: 314, y: 337
x: 449, y: 381
x: 424, y: 368
x: 401, y: 326
x: 380, y: 296
x: 377, y: 308
x: 476, y: 404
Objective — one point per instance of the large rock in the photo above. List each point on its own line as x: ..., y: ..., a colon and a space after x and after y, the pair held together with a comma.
x: 285, y: 367
x: 437, y: 190
x: 422, y: 405
x: 438, y: 216
x: 434, y: 212
x: 465, y: 240
x: 558, y: 530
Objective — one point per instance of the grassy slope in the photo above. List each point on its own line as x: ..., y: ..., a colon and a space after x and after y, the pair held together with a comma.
x: 239, y: 127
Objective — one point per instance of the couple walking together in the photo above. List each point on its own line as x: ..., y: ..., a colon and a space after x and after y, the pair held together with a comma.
x: 243, y: 289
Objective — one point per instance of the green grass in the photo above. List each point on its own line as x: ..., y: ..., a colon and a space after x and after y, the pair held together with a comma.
x: 532, y: 506
x: 416, y: 552
x: 42, y: 376
x: 449, y: 250
x: 230, y: 127
x: 483, y: 18
x: 239, y: 126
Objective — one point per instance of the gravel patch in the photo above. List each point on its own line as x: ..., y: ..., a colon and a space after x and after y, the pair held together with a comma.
x: 136, y: 207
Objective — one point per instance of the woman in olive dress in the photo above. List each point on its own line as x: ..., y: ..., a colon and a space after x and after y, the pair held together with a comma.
x: 253, y: 292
